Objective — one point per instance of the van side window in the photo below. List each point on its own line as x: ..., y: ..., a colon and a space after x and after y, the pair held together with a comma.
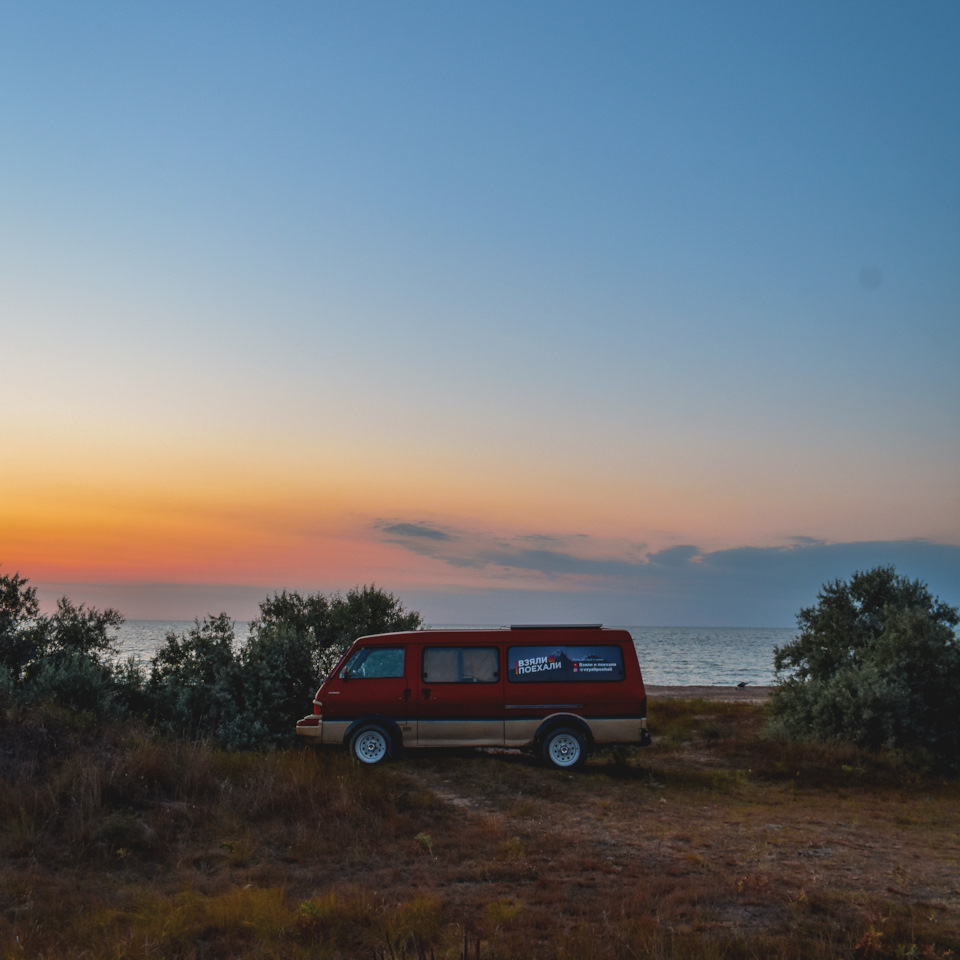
x: 461, y: 665
x: 370, y: 662
x: 570, y: 664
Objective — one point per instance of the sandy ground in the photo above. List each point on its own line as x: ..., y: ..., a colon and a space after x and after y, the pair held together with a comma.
x: 749, y: 694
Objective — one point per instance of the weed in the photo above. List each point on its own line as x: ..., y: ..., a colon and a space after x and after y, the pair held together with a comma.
x: 340, y: 922
x: 503, y: 912
x: 417, y: 920
x: 513, y: 850
x: 526, y: 808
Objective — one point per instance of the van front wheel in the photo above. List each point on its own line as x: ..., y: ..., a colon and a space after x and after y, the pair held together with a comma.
x: 564, y: 748
x: 371, y: 745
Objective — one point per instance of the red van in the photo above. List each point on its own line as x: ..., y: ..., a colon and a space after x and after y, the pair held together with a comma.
x: 559, y: 690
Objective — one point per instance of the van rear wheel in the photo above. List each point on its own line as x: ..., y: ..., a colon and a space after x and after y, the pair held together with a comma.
x: 564, y: 748
x: 371, y: 745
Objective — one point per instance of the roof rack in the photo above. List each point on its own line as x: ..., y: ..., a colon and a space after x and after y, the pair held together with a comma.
x: 556, y: 626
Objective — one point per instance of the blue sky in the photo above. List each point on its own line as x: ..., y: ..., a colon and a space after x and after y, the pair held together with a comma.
x: 614, y: 280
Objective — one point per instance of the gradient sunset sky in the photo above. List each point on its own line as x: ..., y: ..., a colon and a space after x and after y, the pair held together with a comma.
x: 637, y: 313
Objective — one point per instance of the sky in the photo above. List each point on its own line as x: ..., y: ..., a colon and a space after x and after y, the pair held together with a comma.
x: 627, y: 312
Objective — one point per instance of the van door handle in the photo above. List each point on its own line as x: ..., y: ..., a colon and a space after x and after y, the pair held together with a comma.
x: 426, y: 693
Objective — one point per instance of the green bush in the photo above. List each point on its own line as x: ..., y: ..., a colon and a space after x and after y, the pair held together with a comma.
x: 66, y: 657
x: 876, y: 664
x: 20, y: 639
x: 199, y: 684
x: 195, y: 686
x: 202, y: 685
x: 295, y: 641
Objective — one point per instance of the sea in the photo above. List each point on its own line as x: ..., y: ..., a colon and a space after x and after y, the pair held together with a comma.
x: 669, y: 656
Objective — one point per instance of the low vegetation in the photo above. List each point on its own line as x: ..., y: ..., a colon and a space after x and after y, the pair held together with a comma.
x: 717, y: 841
x: 877, y: 664
x: 201, y: 684
x: 132, y: 827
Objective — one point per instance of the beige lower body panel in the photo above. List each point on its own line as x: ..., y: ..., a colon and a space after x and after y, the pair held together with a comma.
x: 520, y: 733
x: 426, y: 733
x: 618, y: 730
x: 333, y: 731
x: 485, y: 733
x: 458, y: 733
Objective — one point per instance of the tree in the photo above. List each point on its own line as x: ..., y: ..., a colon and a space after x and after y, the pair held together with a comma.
x: 198, y: 683
x: 296, y: 640
x: 66, y: 658
x: 362, y: 612
x: 877, y: 664
x: 195, y: 686
x: 19, y: 642
x: 202, y: 686
x: 329, y: 625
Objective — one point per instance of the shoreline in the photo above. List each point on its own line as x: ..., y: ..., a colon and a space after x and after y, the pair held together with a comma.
x: 749, y: 694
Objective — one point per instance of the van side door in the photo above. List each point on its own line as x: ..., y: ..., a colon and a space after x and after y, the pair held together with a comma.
x: 460, y: 696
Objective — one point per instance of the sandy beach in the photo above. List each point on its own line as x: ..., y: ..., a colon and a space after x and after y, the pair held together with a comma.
x: 749, y: 694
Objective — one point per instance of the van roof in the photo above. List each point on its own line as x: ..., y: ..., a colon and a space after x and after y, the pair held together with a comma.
x: 478, y: 634
x: 556, y: 626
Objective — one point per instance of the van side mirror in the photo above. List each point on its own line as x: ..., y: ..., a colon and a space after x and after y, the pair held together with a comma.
x: 344, y: 674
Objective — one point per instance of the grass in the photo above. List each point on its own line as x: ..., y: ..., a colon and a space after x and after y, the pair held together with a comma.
x: 714, y: 842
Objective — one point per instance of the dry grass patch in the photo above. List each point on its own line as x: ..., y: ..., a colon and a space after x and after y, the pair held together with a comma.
x: 714, y: 842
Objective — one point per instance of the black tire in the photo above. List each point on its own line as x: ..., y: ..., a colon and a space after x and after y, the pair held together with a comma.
x: 371, y: 745
x: 564, y: 748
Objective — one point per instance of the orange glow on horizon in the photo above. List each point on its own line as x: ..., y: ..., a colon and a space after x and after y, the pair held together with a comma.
x: 286, y: 514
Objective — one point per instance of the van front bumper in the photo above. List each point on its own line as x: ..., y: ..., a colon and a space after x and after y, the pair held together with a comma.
x: 311, y: 726
x: 323, y: 731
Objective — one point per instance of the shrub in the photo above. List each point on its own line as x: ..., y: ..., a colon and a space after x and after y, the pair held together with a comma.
x: 195, y: 684
x: 66, y: 657
x: 198, y: 684
x: 325, y: 627
x: 203, y: 686
x: 295, y: 641
x: 19, y: 636
x: 876, y: 664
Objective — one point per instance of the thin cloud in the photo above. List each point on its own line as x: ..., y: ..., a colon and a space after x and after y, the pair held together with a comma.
x: 741, y: 587
x: 548, y: 555
x: 683, y: 583
x: 548, y: 538
x: 675, y: 556
x: 416, y: 530
x: 584, y: 579
x: 553, y: 558
x: 553, y: 563
x: 807, y: 541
